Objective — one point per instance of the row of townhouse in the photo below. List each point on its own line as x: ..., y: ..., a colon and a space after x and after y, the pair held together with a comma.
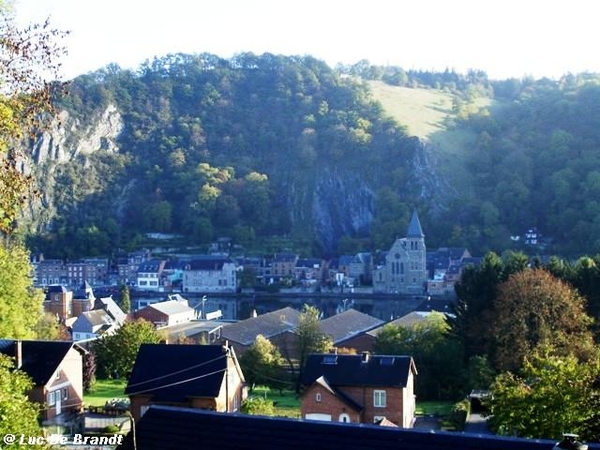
x: 70, y: 273
x: 406, y: 268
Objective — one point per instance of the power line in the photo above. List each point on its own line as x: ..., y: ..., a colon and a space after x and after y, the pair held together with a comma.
x: 178, y: 382
x: 177, y: 372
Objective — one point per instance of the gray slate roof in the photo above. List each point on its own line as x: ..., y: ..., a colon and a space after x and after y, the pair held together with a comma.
x: 171, y: 307
x: 405, y: 321
x: 348, y: 324
x: 414, y: 227
x: 270, y: 324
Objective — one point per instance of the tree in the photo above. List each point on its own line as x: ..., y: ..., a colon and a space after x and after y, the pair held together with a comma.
x: 116, y: 353
x: 549, y: 396
x: 476, y: 291
x: 310, y: 338
x: 438, y: 357
x: 89, y: 371
x: 262, y: 364
x: 534, y: 309
x: 17, y: 414
x: 50, y: 329
x: 125, y: 302
x: 29, y: 57
x: 20, y: 303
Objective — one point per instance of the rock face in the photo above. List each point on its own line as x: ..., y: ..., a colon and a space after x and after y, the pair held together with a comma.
x: 334, y: 201
x: 68, y: 137
x: 342, y: 205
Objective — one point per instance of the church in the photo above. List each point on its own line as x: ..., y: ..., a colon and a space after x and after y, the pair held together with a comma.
x: 404, y: 270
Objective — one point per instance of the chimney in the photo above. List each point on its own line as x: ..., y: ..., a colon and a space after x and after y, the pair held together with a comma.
x: 18, y: 354
x: 364, y: 357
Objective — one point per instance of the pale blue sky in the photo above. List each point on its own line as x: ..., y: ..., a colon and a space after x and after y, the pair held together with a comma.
x: 506, y: 38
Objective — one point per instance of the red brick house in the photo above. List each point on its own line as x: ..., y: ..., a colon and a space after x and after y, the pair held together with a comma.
x: 56, y: 369
x: 192, y: 376
x: 359, y: 388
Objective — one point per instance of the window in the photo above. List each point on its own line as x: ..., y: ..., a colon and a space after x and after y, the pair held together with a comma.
x: 51, y: 399
x: 65, y: 393
x: 345, y: 418
x: 379, y: 399
x: 318, y: 397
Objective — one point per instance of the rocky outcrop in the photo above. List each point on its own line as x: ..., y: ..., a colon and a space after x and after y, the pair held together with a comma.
x: 343, y: 204
x: 68, y: 137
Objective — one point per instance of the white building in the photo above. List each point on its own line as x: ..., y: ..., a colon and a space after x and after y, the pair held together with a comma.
x: 210, y: 274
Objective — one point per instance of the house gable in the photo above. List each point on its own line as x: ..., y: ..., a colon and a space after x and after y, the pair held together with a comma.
x: 382, y: 384
x: 204, y: 376
x: 56, y: 369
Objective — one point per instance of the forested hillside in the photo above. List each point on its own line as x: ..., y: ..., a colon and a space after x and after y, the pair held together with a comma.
x: 280, y: 151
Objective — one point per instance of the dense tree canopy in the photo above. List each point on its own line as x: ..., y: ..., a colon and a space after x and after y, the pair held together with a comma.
x: 17, y: 414
x: 116, y: 353
x: 437, y: 357
x: 263, y: 364
x: 551, y: 395
x: 535, y: 309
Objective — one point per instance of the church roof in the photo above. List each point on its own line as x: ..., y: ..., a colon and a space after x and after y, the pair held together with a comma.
x: 414, y: 228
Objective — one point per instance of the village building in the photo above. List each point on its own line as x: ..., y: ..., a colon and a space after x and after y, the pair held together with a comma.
x: 404, y: 270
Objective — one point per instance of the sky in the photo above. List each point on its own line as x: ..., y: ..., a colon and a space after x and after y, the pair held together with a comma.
x: 504, y: 38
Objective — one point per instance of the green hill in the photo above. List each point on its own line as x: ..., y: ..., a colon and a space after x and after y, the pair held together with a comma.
x: 430, y: 115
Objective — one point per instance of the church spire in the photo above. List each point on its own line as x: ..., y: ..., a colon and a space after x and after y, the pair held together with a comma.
x: 414, y: 228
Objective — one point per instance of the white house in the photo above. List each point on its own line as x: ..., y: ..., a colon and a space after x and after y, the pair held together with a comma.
x: 210, y: 274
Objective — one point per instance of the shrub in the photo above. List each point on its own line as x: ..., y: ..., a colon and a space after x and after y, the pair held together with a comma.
x: 458, y: 415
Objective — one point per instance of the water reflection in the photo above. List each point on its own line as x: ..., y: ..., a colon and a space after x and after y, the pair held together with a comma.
x: 242, y: 307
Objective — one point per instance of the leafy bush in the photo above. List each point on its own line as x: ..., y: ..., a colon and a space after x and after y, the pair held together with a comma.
x: 458, y: 415
x: 111, y: 429
x: 258, y: 406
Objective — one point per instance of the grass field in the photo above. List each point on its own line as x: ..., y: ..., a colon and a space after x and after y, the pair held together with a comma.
x: 440, y: 408
x: 105, y: 390
x: 287, y: 403
x: 428, y: 115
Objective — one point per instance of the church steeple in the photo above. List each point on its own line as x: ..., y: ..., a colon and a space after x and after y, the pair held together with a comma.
x: 414, y: 227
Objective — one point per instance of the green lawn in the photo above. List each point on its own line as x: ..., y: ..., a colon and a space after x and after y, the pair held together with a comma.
x: 287, y: 403
x: 440, y: 408
x: 105, y: 390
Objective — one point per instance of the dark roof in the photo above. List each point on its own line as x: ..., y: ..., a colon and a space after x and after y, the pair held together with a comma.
x: 353, y: 370
x: 285, y: 257
x: 269, y: 325
x: 208, y: 263
x: 348, y: 324
x: 177, y: 372
x: 414, y: 227
x: 345, y: 260
x: 56, y: 288
x: 40, y: 358
x: 164, y: 427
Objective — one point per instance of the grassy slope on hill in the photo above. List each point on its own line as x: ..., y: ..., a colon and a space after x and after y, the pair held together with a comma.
x: 428, y: 114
